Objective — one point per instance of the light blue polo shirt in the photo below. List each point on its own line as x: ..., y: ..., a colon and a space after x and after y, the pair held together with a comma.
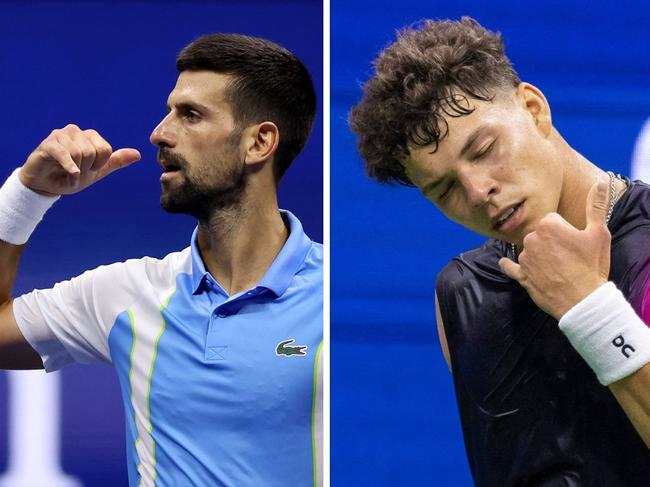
x: 218, y: 390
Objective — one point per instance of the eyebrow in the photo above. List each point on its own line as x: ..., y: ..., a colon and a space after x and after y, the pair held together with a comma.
x: 468, y: 144
x: 185, y: 105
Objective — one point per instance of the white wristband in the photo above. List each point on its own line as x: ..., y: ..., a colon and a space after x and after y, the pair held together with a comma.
x: 608, y: 334
x: 20, y: 210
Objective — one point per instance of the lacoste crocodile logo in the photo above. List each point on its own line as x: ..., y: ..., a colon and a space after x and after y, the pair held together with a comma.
x: 285, y: 348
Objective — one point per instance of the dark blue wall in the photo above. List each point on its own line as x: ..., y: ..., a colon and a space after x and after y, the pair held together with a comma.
x: 110, y: 66
x: 394, y: 419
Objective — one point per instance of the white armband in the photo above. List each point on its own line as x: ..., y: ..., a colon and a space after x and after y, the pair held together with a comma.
x: 20, y: 210
x: 608, y: 334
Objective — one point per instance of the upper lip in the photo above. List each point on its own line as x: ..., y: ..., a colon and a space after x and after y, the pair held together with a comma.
x: 501, y: 213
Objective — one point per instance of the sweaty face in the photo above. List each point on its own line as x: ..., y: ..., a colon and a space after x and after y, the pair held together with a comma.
x: 495, y: 173
x: 198, y: 147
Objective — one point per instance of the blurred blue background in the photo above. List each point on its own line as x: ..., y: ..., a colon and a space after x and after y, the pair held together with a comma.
x: 110, y: 66
x: 394, y: 419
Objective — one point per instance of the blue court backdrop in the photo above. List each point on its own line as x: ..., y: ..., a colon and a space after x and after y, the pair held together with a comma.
x: 394, y: 419
x: 110, y: 66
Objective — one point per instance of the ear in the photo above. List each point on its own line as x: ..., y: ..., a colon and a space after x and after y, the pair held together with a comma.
x: 261, y: 141
x: 535, y: 103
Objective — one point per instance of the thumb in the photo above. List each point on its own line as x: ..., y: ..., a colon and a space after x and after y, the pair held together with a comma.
x: 511, y: 269
x: 597, y: 203
x: 119, y: 159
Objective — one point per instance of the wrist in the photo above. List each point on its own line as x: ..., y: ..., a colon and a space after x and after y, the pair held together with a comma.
x: 28, y: 184
x: 606, y: 331
x: 21, y: 209
x: 577, y: 297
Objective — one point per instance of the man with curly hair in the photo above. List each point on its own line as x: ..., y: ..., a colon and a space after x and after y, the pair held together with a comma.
x: 446, y: 112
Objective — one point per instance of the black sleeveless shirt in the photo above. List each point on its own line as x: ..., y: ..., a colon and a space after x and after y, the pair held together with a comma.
x: 532, y: 411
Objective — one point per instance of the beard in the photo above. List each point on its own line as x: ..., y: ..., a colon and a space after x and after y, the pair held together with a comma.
x: 212, y: 186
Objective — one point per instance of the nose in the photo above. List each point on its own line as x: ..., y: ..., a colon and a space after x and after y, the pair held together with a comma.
x: 163, y: 134
x: 479, y: 186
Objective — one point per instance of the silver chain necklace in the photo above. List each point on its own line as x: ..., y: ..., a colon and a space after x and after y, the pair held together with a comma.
x: 613, y: 198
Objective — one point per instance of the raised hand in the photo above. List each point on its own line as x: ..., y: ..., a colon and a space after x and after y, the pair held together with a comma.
x: 70, y: 159
x: 561, y: 265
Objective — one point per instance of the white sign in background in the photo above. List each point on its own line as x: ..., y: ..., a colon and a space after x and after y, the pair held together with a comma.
x: 34, y: 423
x: 641, y: 154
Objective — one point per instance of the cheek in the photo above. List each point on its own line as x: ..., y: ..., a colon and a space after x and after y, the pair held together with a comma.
x: 459, y: 213
x: 514, y: 159
x: 534, y: 153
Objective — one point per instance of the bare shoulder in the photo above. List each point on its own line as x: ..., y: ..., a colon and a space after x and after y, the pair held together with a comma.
x: 441, y: 335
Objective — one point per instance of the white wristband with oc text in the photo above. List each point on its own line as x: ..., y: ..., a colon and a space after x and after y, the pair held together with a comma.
x: 608, y: 334
x: 20, y: 210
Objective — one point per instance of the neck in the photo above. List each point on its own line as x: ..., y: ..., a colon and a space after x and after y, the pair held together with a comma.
x: 238, y: 244
x: 579, y: 176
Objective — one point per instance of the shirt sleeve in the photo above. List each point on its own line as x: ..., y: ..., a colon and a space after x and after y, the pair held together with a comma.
x: 639, y: 293
x: 71, y: 321
x: 633, y: 275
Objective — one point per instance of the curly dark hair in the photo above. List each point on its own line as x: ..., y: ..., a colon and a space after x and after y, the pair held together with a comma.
x: 425, y: 76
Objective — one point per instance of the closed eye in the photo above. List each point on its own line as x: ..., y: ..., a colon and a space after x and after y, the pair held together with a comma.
x: 484, y: 152
x: 446, y: 192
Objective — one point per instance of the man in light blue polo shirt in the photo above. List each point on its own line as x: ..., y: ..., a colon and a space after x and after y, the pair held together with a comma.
x: 217, y: 346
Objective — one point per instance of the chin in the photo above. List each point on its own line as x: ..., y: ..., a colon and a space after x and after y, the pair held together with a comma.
x: 176, y: 201
x: 171, y: 206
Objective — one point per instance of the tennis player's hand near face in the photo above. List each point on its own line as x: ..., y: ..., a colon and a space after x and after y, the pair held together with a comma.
x: 70, y: 159
x: 561, y: 265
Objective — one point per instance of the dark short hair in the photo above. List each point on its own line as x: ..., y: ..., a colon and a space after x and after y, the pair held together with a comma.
x: 426, y: 75
x: 270, y: 84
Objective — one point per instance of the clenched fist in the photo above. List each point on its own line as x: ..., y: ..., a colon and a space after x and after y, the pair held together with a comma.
x: 71, y: 159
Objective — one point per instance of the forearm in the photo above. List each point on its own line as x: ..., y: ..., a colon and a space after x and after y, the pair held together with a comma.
x: 15, y: 352
x: 9, y: 258
x: 633, y: 394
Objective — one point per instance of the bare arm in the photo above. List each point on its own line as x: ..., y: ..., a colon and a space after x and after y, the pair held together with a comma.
x: 66, y: 162
x: 441, y: 335
x: 15, y: 352
x: 633, y: 394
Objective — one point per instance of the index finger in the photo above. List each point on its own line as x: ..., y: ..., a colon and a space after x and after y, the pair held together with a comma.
x: 511, y: 269
x: 60, y: 154
x: 103, y: 149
